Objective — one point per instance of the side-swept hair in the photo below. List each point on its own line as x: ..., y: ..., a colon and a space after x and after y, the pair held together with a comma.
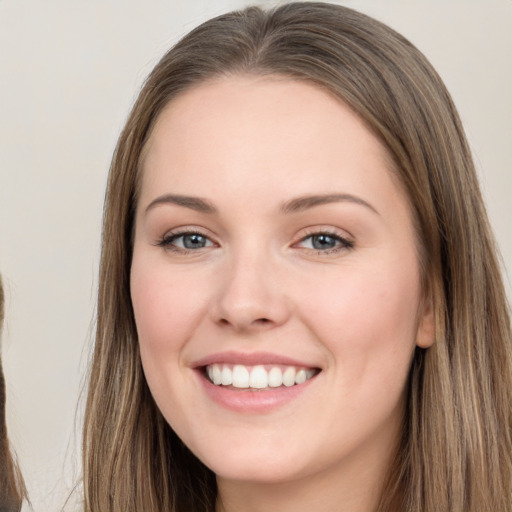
x: 455, y: 452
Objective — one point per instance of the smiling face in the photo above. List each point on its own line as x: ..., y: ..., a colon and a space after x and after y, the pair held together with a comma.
x: 275, y: 282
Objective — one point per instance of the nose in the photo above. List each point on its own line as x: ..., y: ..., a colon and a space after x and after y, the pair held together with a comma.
x: 250, y: 297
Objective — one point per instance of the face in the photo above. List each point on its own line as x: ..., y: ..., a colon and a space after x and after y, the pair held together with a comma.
x: 275, y: 281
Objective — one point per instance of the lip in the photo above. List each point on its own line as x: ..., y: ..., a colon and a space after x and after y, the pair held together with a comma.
x: 248, y: 400
x: 249, y: 359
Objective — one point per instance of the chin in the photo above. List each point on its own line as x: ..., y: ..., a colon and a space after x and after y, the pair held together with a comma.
x: 256, y: 466
x: 261, y: 474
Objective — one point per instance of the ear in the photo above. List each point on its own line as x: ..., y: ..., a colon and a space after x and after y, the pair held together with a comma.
x: 425, y: 335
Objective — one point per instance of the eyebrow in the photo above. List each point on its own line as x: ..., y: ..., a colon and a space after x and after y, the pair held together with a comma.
x: 194, y: 203
x: 305, y: 202
x: 294, y: 205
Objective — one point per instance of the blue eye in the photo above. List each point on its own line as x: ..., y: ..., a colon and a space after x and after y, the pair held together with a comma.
x: 325, y: 242
x: 322, y: 242
x: 193, y: 241
x: 185, y: 241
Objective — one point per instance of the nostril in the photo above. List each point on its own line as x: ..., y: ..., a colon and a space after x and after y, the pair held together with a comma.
x: 257, y: 321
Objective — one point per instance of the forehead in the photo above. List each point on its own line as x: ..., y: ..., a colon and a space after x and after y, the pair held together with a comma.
x: 244, y: 131
x: 243, y: 100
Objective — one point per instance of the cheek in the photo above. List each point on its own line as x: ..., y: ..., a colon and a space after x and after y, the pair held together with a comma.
x: 367, y: 319
x: 167, y: 308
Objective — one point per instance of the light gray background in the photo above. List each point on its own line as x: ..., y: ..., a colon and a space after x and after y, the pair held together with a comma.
x: 70, y: 71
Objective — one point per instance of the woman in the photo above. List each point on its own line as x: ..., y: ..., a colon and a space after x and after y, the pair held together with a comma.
x: 12, y: 488
x: 300, y: 302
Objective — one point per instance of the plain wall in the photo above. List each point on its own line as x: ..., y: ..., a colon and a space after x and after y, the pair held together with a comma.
x: 70, y: 71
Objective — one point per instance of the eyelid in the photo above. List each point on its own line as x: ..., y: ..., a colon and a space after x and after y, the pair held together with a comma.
x: 346, y: 242
x: 173, y: 234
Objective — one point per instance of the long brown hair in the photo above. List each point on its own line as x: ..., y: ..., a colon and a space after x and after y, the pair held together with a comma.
x: 12, y: 487
x: 456, y: 449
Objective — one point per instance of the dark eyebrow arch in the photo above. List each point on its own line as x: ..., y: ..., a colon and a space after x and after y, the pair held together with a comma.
x: 305, y: 202
x: 194, y: 203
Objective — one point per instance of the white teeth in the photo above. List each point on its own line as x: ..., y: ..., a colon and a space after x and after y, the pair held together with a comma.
x: 300, y: 377
x: 227, y: 376
x: 289, y: 376
x: 275, y: 377
x: 240, y: 376
x: 217, y: 376
x: 257, y: 377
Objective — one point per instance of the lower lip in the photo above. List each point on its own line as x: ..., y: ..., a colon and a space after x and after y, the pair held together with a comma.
x: 253, y: 400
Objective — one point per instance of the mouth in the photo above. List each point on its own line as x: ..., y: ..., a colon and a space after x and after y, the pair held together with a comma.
x: 257, y: 377
x: 254, y: 383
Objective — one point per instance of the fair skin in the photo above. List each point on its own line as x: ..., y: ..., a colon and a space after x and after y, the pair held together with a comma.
x: 271, y: 233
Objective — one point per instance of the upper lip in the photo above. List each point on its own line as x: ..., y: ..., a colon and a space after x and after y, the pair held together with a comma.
x: 249, y: 359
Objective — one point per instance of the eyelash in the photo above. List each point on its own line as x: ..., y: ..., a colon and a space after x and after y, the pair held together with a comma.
x: 168, y: 241
x: 343, y: 243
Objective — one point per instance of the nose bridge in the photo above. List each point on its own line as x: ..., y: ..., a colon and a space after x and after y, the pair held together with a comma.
x: 250, y: 295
